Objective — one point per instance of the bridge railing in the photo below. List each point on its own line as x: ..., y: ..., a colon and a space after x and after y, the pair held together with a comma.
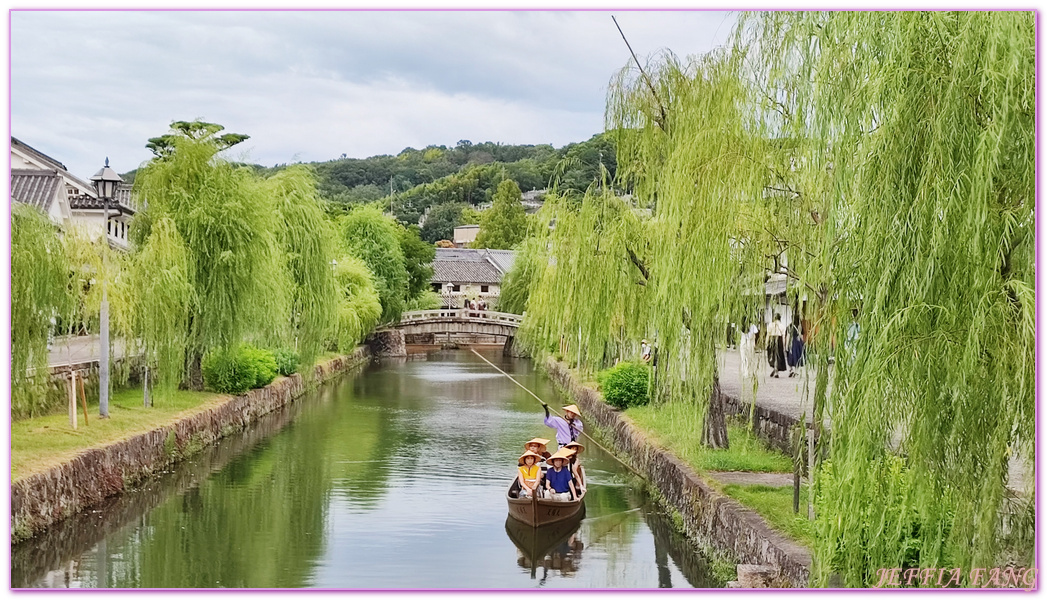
x: 461, y: 314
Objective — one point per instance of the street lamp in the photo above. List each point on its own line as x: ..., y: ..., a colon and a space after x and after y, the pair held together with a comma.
x: 105, y: 182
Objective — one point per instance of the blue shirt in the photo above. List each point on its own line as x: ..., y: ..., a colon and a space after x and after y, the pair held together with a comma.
x: 559, y: 480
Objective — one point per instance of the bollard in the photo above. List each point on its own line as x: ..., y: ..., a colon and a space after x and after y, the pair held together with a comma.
x: 72, y: 399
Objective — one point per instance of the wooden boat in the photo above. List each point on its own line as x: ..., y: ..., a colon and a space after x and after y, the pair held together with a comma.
x: 537, y: 512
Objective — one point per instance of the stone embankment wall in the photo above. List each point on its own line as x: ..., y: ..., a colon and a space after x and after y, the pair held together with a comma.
x: 40, y: 500
x: 709, y: 517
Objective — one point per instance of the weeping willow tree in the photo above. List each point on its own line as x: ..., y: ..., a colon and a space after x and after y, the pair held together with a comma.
x: 308, y: 243
x: 39, y: 292
x: 530, y: 262
x: 584, y: 295
x: 162, y: 277
x: 685, y: 149
x: 359, y: 308
x: 239, y: 278
x: 373, y: 237
x: 923, y: 126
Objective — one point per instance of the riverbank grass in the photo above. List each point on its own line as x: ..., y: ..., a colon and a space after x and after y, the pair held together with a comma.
x: 675, y: 425
x: 40, y: 443
x: 776, y: 505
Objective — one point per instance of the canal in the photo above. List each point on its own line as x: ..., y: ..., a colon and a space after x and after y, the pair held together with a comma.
x: 391, y: 477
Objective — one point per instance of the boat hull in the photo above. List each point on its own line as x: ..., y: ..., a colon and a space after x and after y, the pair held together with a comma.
x: 537, y: 512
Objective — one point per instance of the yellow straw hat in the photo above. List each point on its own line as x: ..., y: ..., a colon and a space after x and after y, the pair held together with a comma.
x: 520, y: 462
x: 572, y: 408
x: 540, y: 441
x: 575, y: 446
x: 562, y: 454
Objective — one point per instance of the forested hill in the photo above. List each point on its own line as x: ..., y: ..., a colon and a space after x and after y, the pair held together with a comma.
x: 468, y: 173
x: 454, y: 179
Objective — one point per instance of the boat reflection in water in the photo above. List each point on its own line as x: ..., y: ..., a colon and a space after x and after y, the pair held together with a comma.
x: 554, y: 547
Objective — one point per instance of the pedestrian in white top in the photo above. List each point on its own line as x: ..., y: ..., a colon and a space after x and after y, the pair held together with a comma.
x: 747, y: 348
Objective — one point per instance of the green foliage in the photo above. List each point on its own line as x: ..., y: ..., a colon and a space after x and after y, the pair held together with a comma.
x: 427, y: 300
x: 39, y: 291
x: 626, y: 384
x: 776, y: 505
x: 441, y: 221
x: 918, y: 134
x: 165, y: 145
x: 418, y: 260
x: 504, y: 224
x: 360, y: 307
x: 263, y: 362
x: 375, y: 239
x: 226, y: 221
x: 229, y: 371
x: 287, y: 361
x: 518, y: 283
x: 895, y: 536
x: 238, y: 370
x: 162, y: 277
x: 308, y: 243
x: 584, y: 284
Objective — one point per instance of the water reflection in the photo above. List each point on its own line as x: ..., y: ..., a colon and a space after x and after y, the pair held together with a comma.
x: 394, y: 478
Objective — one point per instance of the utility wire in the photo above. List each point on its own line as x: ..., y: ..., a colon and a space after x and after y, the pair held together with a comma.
x: 522, y: 386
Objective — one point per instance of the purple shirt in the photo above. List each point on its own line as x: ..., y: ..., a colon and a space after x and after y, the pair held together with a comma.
x: 563, y: 429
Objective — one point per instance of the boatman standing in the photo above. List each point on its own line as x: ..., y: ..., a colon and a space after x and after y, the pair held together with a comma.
x: 569, y: 428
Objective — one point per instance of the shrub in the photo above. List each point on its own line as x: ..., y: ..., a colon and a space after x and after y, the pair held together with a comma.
x: 228, y: 372
x: 626, y: 384
x: 263, y: 362
x: 286, y: 361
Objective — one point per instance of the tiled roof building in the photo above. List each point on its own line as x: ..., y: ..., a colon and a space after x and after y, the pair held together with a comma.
x: 36, y: 187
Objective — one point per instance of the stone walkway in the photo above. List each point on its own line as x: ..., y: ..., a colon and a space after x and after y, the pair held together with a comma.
x: 788, y: 395
x: 76, y: 349
x: 747, y: 478
x: 793, y: 397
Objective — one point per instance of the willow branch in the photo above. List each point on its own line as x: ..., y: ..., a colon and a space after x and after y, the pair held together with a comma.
x: 650, y: 84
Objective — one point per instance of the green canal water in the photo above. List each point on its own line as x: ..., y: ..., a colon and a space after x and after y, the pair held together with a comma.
x: 390, y: 477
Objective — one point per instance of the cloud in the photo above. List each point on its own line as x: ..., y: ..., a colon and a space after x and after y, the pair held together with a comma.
x: 312, y: 85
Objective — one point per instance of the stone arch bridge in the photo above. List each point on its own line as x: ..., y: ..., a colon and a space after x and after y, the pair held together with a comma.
x: 444, y: 326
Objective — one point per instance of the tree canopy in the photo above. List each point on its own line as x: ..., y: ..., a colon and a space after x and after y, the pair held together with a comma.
x: 504, y: 224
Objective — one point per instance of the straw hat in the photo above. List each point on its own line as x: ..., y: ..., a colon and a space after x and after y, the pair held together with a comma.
x: 575, y: 446
x: 561, y: 453
x: 572, y: 408
x: 540, y: 441
x: 520, y: 462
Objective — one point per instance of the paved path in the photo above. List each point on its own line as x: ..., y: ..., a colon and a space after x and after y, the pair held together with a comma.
x: 794, y: 397
x: 788, y: 395
x: 747, y: 478
x: 80, y: 349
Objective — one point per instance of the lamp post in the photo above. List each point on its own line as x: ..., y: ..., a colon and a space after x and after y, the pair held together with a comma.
x: 105, y: 181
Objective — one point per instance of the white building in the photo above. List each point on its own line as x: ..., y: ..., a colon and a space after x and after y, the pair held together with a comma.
x: 70, y: 202
x: 465, y: 234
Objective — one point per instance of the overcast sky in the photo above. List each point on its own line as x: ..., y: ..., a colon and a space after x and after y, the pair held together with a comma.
x: 310, y: 86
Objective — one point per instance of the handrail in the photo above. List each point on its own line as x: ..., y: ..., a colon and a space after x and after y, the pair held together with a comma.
x: 462, y: 314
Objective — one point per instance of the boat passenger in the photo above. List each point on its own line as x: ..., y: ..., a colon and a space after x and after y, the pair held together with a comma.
x: 558, y: 482
x: 529, y: 473
x: 537, y: 445
x: 576, y: 466
x: 569, y: 428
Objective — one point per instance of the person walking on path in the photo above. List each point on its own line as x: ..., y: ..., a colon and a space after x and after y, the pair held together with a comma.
x: 747, y: 348
x: 569, y: 428
x: 776, y: 345
x: 796, y: 346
